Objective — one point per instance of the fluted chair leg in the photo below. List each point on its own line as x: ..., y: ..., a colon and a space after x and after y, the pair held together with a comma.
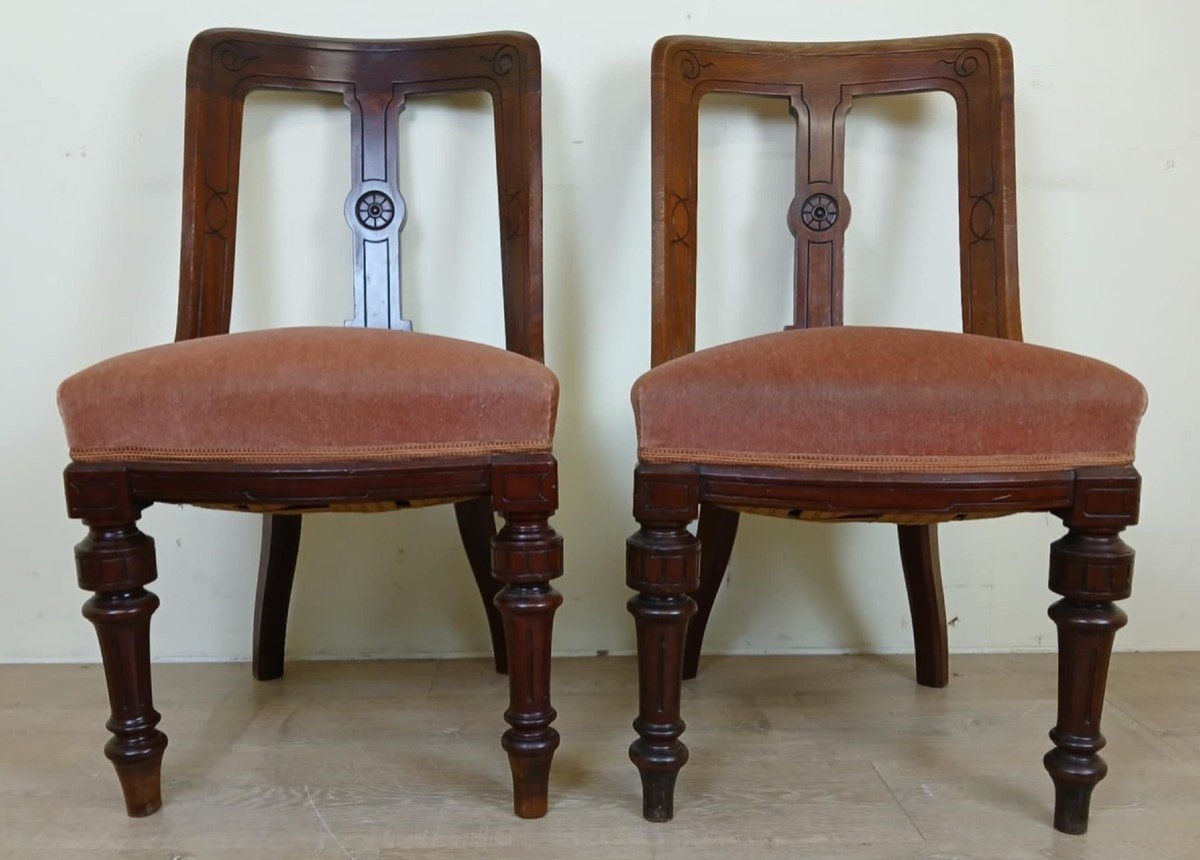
x: 662, y: 565
x: 526, y: 555
x: 115, y: 561
x: 1090, y: 569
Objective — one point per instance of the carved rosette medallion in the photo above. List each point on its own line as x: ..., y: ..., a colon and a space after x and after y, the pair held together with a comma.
x: 819, y: 212
x: 374, y: 210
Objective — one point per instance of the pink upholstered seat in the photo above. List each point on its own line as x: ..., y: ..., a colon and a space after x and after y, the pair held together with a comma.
x: 888, y: 399
x: 309, y: 394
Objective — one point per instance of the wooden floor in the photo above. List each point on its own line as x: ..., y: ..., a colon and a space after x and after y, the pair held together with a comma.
x: 822, y: 757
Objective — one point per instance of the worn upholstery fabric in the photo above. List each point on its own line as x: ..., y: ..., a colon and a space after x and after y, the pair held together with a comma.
x: 887, y: 399
x: 309, y: 394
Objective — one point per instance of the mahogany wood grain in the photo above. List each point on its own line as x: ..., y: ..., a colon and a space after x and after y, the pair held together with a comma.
x: 716, y: 531
x: 662, y: 565
x: 923, y: 580
x: 526, y: 555
x: 276, y: 572
x: 821, y: 80
x: 1090, y: 567
x: 477, y: 528
x: 224, y: 66
x: 116, y: 560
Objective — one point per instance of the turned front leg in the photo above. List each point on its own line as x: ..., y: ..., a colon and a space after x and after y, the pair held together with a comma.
x: 1090, y: 567
x: 116, y: 561
x: 662, y: 565
x: 526, y: 556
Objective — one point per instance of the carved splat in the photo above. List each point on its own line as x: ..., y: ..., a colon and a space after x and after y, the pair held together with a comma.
x: 819, y: 212
x: 821, y: 81
x: 375, y: 209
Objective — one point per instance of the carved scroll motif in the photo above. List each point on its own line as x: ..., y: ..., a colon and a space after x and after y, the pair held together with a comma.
x: 502, y: 60
x: 690, y: 65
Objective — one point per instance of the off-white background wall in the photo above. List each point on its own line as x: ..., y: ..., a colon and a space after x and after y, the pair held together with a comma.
x: 90, y: 164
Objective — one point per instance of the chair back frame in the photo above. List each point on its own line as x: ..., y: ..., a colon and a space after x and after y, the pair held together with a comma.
x: 821, y: 81
x: 373, y: 77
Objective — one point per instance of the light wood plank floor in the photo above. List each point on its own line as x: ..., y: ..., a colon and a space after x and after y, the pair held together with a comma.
x: 821, y: 757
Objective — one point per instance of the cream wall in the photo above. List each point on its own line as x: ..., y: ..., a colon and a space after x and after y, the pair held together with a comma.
x: 1109, y: 154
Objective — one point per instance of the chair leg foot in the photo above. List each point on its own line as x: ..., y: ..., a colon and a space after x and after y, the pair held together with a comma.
x: 141, y: 783
x: 658, y: 794
x: 1072, y: 800
x: 530, y: 766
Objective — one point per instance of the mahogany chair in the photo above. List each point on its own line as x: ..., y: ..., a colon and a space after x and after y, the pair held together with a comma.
x: 370, y: 416
x: 834, y: 423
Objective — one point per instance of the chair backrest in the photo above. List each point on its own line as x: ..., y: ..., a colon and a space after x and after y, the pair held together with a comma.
x: 821, y: 81
x: 373, y: 79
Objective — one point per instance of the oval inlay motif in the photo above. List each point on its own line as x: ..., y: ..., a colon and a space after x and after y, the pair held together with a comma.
x: 982, y: 217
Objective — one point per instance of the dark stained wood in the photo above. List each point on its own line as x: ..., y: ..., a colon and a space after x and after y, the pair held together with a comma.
x: 828, y: 494
x: 477, y: 528
x: 820, y: 81
x: 276, y: 571
x: 526, y: 555
x: 1089, y: 568
x: 716, y: 531
x: 116, y: 560
x: 923, y: 579
x: 662, y: 565
x: 224, y: 66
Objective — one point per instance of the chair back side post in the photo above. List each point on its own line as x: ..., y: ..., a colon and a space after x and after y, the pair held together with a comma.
x: 821, y: 81
x: 373, y: 78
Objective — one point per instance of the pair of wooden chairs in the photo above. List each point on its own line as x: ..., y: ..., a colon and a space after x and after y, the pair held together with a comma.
x: 818, y: 422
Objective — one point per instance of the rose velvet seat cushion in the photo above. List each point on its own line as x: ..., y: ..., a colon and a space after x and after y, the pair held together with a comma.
x: 309, y: 394
x: 887, y: 399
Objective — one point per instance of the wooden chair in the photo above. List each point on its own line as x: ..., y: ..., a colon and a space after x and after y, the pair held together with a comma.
x: 366, y: 417
x: 837, y: 423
